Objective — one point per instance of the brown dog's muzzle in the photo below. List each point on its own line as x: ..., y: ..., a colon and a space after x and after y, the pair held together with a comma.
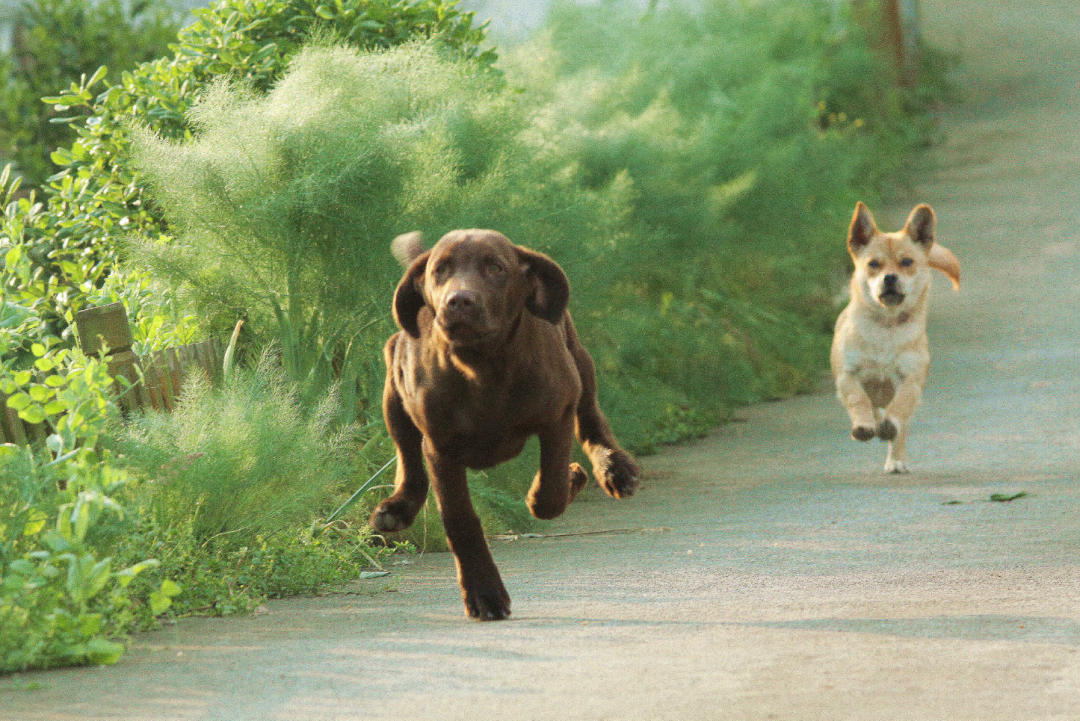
x: 462, y: 317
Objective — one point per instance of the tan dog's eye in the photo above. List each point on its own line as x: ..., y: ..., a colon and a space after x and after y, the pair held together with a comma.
x: 907, y: 262
x: 875, y: 264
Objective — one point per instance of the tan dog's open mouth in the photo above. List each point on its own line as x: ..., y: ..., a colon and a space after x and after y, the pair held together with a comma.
x: 891, y: 298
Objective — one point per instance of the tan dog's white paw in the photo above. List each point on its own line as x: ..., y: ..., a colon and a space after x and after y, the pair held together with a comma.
x: 892, y: 466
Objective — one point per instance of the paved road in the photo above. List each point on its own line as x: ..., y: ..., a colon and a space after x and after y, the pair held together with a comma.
x: 771, y: 571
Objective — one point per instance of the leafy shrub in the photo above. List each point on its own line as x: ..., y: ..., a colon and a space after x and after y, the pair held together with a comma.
x: 61, y: 603
x: 55, y: 42
x: 73, y: 236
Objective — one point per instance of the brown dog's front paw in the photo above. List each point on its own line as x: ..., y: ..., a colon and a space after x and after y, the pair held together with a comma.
x: 486, y: 602
x: 393, y: 515
x: 862, y: 433
x: 887, y: 430
x: 617, y: 474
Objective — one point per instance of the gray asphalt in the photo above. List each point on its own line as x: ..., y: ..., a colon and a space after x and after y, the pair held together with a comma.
x: 770, y: 570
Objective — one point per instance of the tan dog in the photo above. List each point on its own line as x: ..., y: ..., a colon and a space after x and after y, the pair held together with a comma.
x: 880, y: 353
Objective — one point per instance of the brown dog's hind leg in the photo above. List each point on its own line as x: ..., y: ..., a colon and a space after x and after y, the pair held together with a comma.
x: 558, y: 481
x: 399, y: 511
x: 482, y: 588
x: 613, y: 467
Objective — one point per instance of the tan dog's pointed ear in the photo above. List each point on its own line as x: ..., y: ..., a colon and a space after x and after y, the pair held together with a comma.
x: 409, y: 296
x: 941, y: 258
x: 551, y: 294
x: 861, y: 230
x: 920, y: 225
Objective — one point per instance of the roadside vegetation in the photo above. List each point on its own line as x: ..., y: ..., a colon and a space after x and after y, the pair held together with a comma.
x: 692, y: 172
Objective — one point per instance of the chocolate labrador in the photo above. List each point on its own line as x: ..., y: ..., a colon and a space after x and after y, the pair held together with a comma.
x: 488, y: 357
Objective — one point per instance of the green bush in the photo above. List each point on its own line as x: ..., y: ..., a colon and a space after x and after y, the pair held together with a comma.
x: 61, y: 601
x: 283, y: 204
x: 73, y: 235
x: 56, y: 42
x: 243, y: 460
x: 749, y: 132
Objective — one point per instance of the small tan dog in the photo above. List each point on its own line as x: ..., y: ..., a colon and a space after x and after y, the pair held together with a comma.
x: 880, y: 353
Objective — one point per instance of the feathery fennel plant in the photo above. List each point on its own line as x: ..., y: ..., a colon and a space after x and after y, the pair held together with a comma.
x: 283, y: 205
x: 243, y: 460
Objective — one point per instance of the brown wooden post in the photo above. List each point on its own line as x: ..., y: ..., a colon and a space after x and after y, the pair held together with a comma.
x: 174, y: 373
x: 893, y: 27
x: 14, y: 431
x: 107, y: 326
x: 160, y: 362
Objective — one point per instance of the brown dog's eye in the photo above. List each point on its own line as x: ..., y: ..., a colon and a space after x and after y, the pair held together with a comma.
x: 442, y: 268
x: 493, y: 267
x: 907, y: 262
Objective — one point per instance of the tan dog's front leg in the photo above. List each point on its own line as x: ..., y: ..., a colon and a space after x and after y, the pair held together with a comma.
x: 858, y: 405
x: 895, y: 424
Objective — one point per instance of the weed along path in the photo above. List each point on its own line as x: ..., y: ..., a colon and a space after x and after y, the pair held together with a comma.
x: 771, y: 570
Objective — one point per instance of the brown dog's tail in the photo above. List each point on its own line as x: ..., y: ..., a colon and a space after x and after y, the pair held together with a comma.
x: 407, y: 248
x: 941, y: 258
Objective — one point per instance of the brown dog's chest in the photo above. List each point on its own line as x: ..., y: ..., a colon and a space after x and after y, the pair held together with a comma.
x: 483, y: 424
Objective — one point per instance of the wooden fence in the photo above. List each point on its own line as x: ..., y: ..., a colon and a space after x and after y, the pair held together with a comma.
x: 156, y: 379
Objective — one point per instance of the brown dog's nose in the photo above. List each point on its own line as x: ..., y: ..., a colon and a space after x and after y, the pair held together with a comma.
x: 461, y: 300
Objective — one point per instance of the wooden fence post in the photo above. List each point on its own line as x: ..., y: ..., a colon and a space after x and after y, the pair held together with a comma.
x: 893, y: 25
x: 107, y: 326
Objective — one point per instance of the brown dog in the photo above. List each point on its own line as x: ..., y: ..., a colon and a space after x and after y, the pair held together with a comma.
x: 486, y: 358
x: 880, y: 352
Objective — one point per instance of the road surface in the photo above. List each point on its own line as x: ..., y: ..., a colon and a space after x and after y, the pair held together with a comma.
x: 770, y: 570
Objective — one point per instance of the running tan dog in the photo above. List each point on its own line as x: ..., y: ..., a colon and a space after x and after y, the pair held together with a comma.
x: 880, y: 353
x: 487, y: 357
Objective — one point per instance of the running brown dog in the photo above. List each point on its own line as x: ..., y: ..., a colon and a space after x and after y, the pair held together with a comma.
x: 488, y: 357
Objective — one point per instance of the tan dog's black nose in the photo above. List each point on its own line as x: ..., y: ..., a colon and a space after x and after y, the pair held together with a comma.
x: 890, y: 280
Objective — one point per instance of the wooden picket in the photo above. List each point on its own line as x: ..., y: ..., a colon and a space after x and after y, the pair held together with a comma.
x: 156, y: 380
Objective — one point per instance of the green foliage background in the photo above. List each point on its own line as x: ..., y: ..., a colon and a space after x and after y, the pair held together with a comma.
x: 57, y: 41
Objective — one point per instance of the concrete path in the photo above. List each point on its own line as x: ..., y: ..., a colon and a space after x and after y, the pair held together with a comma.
x: 771, y: 571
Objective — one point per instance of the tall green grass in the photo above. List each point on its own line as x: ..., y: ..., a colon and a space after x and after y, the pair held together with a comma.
x: 691, y: 171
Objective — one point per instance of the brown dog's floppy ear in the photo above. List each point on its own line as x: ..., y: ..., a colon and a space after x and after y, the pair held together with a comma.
x: 920, y: 225
x: 409, y: 296
x: 551, y: 293
x: 861, y: 230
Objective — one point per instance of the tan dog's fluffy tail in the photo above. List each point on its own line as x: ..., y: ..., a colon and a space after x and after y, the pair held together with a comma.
x: 941, y: 258
x: 409, y: 246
